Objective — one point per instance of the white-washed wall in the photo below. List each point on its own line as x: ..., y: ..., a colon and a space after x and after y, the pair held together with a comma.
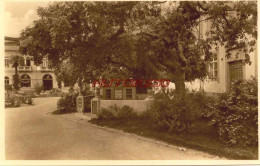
x: 139, y: 106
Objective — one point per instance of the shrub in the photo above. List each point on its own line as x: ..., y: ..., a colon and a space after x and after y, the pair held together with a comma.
x: 106, y: 114
x: 56, y: 92
x: 126, y: 112
x: 67, y: 102
x: 177, y: 113
x: 15, y: 101
x: 38, y: 88
x: 236, y: 114
x: 8, y: 88
x: 115, y: 112
x: 26, y: 99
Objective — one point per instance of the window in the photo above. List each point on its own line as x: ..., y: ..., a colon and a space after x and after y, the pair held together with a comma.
x: 28, y: 61
x: 213, y: 68
x: 108, y: 93
x: 25, y: 81
x: 6, y: 81
x: 45, y: 62
x: 235, y: 71
x: 128, y: 93
x: 6, y: 62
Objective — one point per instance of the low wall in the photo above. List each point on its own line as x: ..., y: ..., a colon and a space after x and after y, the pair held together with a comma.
x: 139, y: 106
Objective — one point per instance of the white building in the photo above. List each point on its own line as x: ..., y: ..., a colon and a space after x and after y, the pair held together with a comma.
x: 223, y: 70
x: 29, y: 73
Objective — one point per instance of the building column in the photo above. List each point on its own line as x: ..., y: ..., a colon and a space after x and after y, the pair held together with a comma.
x: 149, y: 99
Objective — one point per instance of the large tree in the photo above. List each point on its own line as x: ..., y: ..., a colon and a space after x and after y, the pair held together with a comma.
x: 142, y: 39
x: 174, y: 45
x: 84, y: 33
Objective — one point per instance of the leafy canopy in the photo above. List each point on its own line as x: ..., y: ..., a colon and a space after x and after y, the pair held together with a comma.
x: 140, y: 39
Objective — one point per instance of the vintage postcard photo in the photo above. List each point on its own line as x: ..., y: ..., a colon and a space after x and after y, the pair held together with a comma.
x: 130, y: 80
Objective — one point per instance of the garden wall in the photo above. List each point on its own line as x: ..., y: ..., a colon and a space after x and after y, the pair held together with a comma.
x: 139, y: 106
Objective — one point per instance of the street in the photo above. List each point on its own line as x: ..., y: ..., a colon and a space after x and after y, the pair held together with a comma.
x: 32, y: 133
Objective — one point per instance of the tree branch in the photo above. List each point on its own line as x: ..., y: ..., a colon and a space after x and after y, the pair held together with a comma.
x: 181, y: 56
x: 120, y: 31
x: 202, y: 7
x: 224, y: 17
x: 150, y: 35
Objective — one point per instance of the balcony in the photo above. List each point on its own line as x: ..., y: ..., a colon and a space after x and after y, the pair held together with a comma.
x: 45, y: 69
x: 24, y: 68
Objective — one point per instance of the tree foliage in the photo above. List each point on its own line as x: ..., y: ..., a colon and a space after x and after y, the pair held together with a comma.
x: 140, y: 39
x: 16, y: 60
x: 66, y: 73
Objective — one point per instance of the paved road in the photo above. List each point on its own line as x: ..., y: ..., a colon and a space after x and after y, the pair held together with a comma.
x: 32, y: 134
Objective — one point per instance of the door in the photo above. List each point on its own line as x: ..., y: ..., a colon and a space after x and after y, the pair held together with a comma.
x: 47, y: 82
x: 235, y: 71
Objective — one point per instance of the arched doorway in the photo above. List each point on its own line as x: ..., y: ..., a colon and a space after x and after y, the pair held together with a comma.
x: 47, y: 82
x: 25, y: 80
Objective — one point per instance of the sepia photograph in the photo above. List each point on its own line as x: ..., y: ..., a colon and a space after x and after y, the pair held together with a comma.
x: 130, y: 80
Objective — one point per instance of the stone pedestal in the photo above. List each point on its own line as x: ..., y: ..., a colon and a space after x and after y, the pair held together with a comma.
x: 80, y: 103
x: 149, y: 99
x: 95, y: 103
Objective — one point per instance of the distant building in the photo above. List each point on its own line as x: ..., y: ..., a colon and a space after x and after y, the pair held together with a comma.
x: 29, y: 73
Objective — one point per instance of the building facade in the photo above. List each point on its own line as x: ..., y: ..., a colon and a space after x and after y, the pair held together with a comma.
x: 222, y: 70
x: 30, y: 74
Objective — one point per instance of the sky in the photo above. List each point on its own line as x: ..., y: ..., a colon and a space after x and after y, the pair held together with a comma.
x: 20, y: 14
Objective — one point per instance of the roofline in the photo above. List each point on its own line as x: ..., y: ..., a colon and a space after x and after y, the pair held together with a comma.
x: 12, y: 38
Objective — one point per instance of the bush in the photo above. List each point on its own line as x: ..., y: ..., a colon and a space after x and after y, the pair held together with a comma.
x: 106, y: 114
x: 115, y: 112
x: 15, y: 101
x: 26, y: 99
x: 236, y: 114
x: 67, y: 102
x: 56, y: 92
x: 177, y: 113
x: 126, y: 112
x: 38, y: 88
x: 8, y: 88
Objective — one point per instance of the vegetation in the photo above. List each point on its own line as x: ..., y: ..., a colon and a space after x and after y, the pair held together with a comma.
x: 98, y: 37
x: 13, y: 99
x: 38, y: 88
x: 67, y: 102
x: 65, y: 73
x: 203, y: 142
x: 26, y: 99
x: 236, y: 114
x: 226, y: 125
x: 179, y: 113
x: 16, y: 60
x: 16, y: 82
x: 115, y: 112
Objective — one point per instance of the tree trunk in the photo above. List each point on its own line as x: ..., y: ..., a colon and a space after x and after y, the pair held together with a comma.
x: 180, y: 87
x: 15, y: 67
x: 179, y: 82
x: 180, y: 72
